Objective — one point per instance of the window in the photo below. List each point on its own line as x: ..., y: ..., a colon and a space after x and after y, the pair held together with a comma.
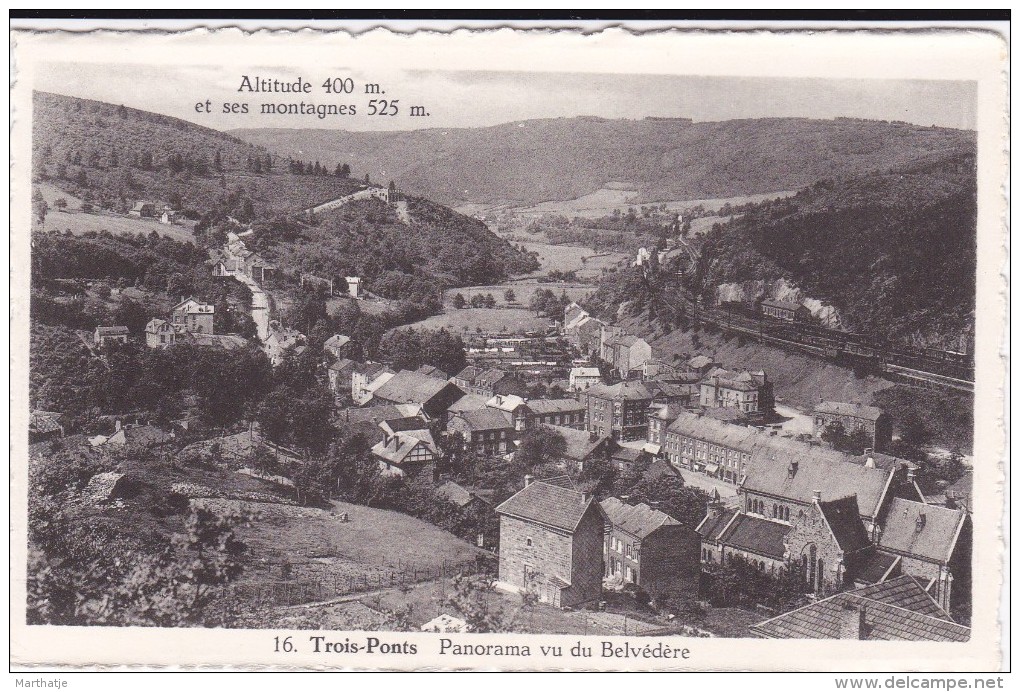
x: 528, y: 541
x: 628, y: 550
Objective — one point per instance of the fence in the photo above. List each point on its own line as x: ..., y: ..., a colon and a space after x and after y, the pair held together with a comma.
x: 322, y: 588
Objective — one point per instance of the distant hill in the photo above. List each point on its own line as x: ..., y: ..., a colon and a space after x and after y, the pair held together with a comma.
x: 894, y: 251
x: 112, y: 156
x: 663, y: 159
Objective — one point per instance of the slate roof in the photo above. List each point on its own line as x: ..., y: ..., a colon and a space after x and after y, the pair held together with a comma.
x: 713, y: 524
x: 399, y: 447
x: 337, y: 341
x: 405, y: 423
x: 883, y: 620
x: 486, y: 419
x: 839, y: 408
x: 411, y: 387
x: 544, y: 503
x: 154, y: 325
x: 756, y: 535
x: 468, y: 402
x: 432, y: 371
x: 544, y: 407
x: 933, y: 538
x: 729, y: 379
x: 873, y: 566
x: 579, y: 443
x: 44, y: 421
x: 585, y: 372
x: 345, y: 366
x: 628, y: 454
x: 844, y: 520
x: 637, y: 520
x: 904, y: 592
x: 455, y: 494
x: 505, y: 402
x: 626, y: 391
x: 469, y: 373
x: 816, y: 469
x: 711, y: 430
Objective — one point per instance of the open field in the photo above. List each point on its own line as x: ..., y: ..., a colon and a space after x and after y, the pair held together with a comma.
x: 603, y: 202
x: 489, y: 320
x: 318, y: 545
x: 80, y: 223
x: 586, y: 262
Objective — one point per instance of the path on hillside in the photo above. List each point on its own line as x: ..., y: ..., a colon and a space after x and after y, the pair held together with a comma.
x: 368, y: 193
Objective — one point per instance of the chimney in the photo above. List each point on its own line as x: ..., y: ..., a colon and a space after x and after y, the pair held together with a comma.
x: 911, y: 474
x: 919, y: 524
x: 853, y: 624
x: 585, y: 497
x: 116, y: 425
x: 816, y: 495
x: 528, y: 479
x: 791, y: 470
x: 868, y: 451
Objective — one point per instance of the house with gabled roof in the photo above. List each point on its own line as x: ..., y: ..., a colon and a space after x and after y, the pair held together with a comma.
x: 337, y: 346
x: 192, y: 316
x: 487, y: 432
x: 895, y: 610
x: 103, y: 336
x: 550, y: 544
x: 647, y: 547
x: 871, y: 420
x: 407, y: 448
x: 406, y: 387
x: 159, y: 333
x: 932, y: 543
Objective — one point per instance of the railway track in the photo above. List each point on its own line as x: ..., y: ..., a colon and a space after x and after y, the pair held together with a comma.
x: 844, y: 348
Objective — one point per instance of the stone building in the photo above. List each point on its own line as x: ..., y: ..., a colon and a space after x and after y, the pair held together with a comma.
x: 646, y: 547
x: 618, y: 411
x: 933, y: 544
x: 852, y: 417
x: 487, y: 432
x: 749, y: 392
x: 550, y: 543
x: 566, y: 412
x: 160, y: 334
x: 191, y: 316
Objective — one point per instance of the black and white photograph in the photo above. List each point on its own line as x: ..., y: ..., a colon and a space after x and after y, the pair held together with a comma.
x: 378, y: 359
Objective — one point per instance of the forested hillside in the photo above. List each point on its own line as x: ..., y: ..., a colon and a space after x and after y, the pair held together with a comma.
x: 663, y: 159
x: 894, y: 251
x: 111, y: 157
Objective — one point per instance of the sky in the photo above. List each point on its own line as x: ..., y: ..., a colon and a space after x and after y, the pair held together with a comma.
x: 478, y: 99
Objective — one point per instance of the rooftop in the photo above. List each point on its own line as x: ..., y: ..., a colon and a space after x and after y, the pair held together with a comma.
x: 411, y: 387
x: 914, y: 528
x: 887, y: 611
x: 486, y: 419
x: 844, y: 520
x: 545, y: 503
x: 579, y: 443
x: 637, y: 520
x: 622, y: 391
x: 757, y: 535
x: 547, y: 406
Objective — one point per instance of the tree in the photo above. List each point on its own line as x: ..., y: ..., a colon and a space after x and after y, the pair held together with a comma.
x: 489, y: 301
x: 39, y: 205
x: 459, y: 302
x: 540, y: 446
x: 509, y: 296
x: 835, y: 435
x: 672, y: 496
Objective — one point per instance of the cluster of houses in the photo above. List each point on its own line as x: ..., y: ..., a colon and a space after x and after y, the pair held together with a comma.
x: 166, y: 214
x: 851, y: 532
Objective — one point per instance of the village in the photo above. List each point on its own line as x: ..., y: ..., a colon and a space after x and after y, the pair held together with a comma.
x: 867, y: 546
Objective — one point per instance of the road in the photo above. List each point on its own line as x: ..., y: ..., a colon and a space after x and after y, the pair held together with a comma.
x: 727, y: 491
x: 259, y: 305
